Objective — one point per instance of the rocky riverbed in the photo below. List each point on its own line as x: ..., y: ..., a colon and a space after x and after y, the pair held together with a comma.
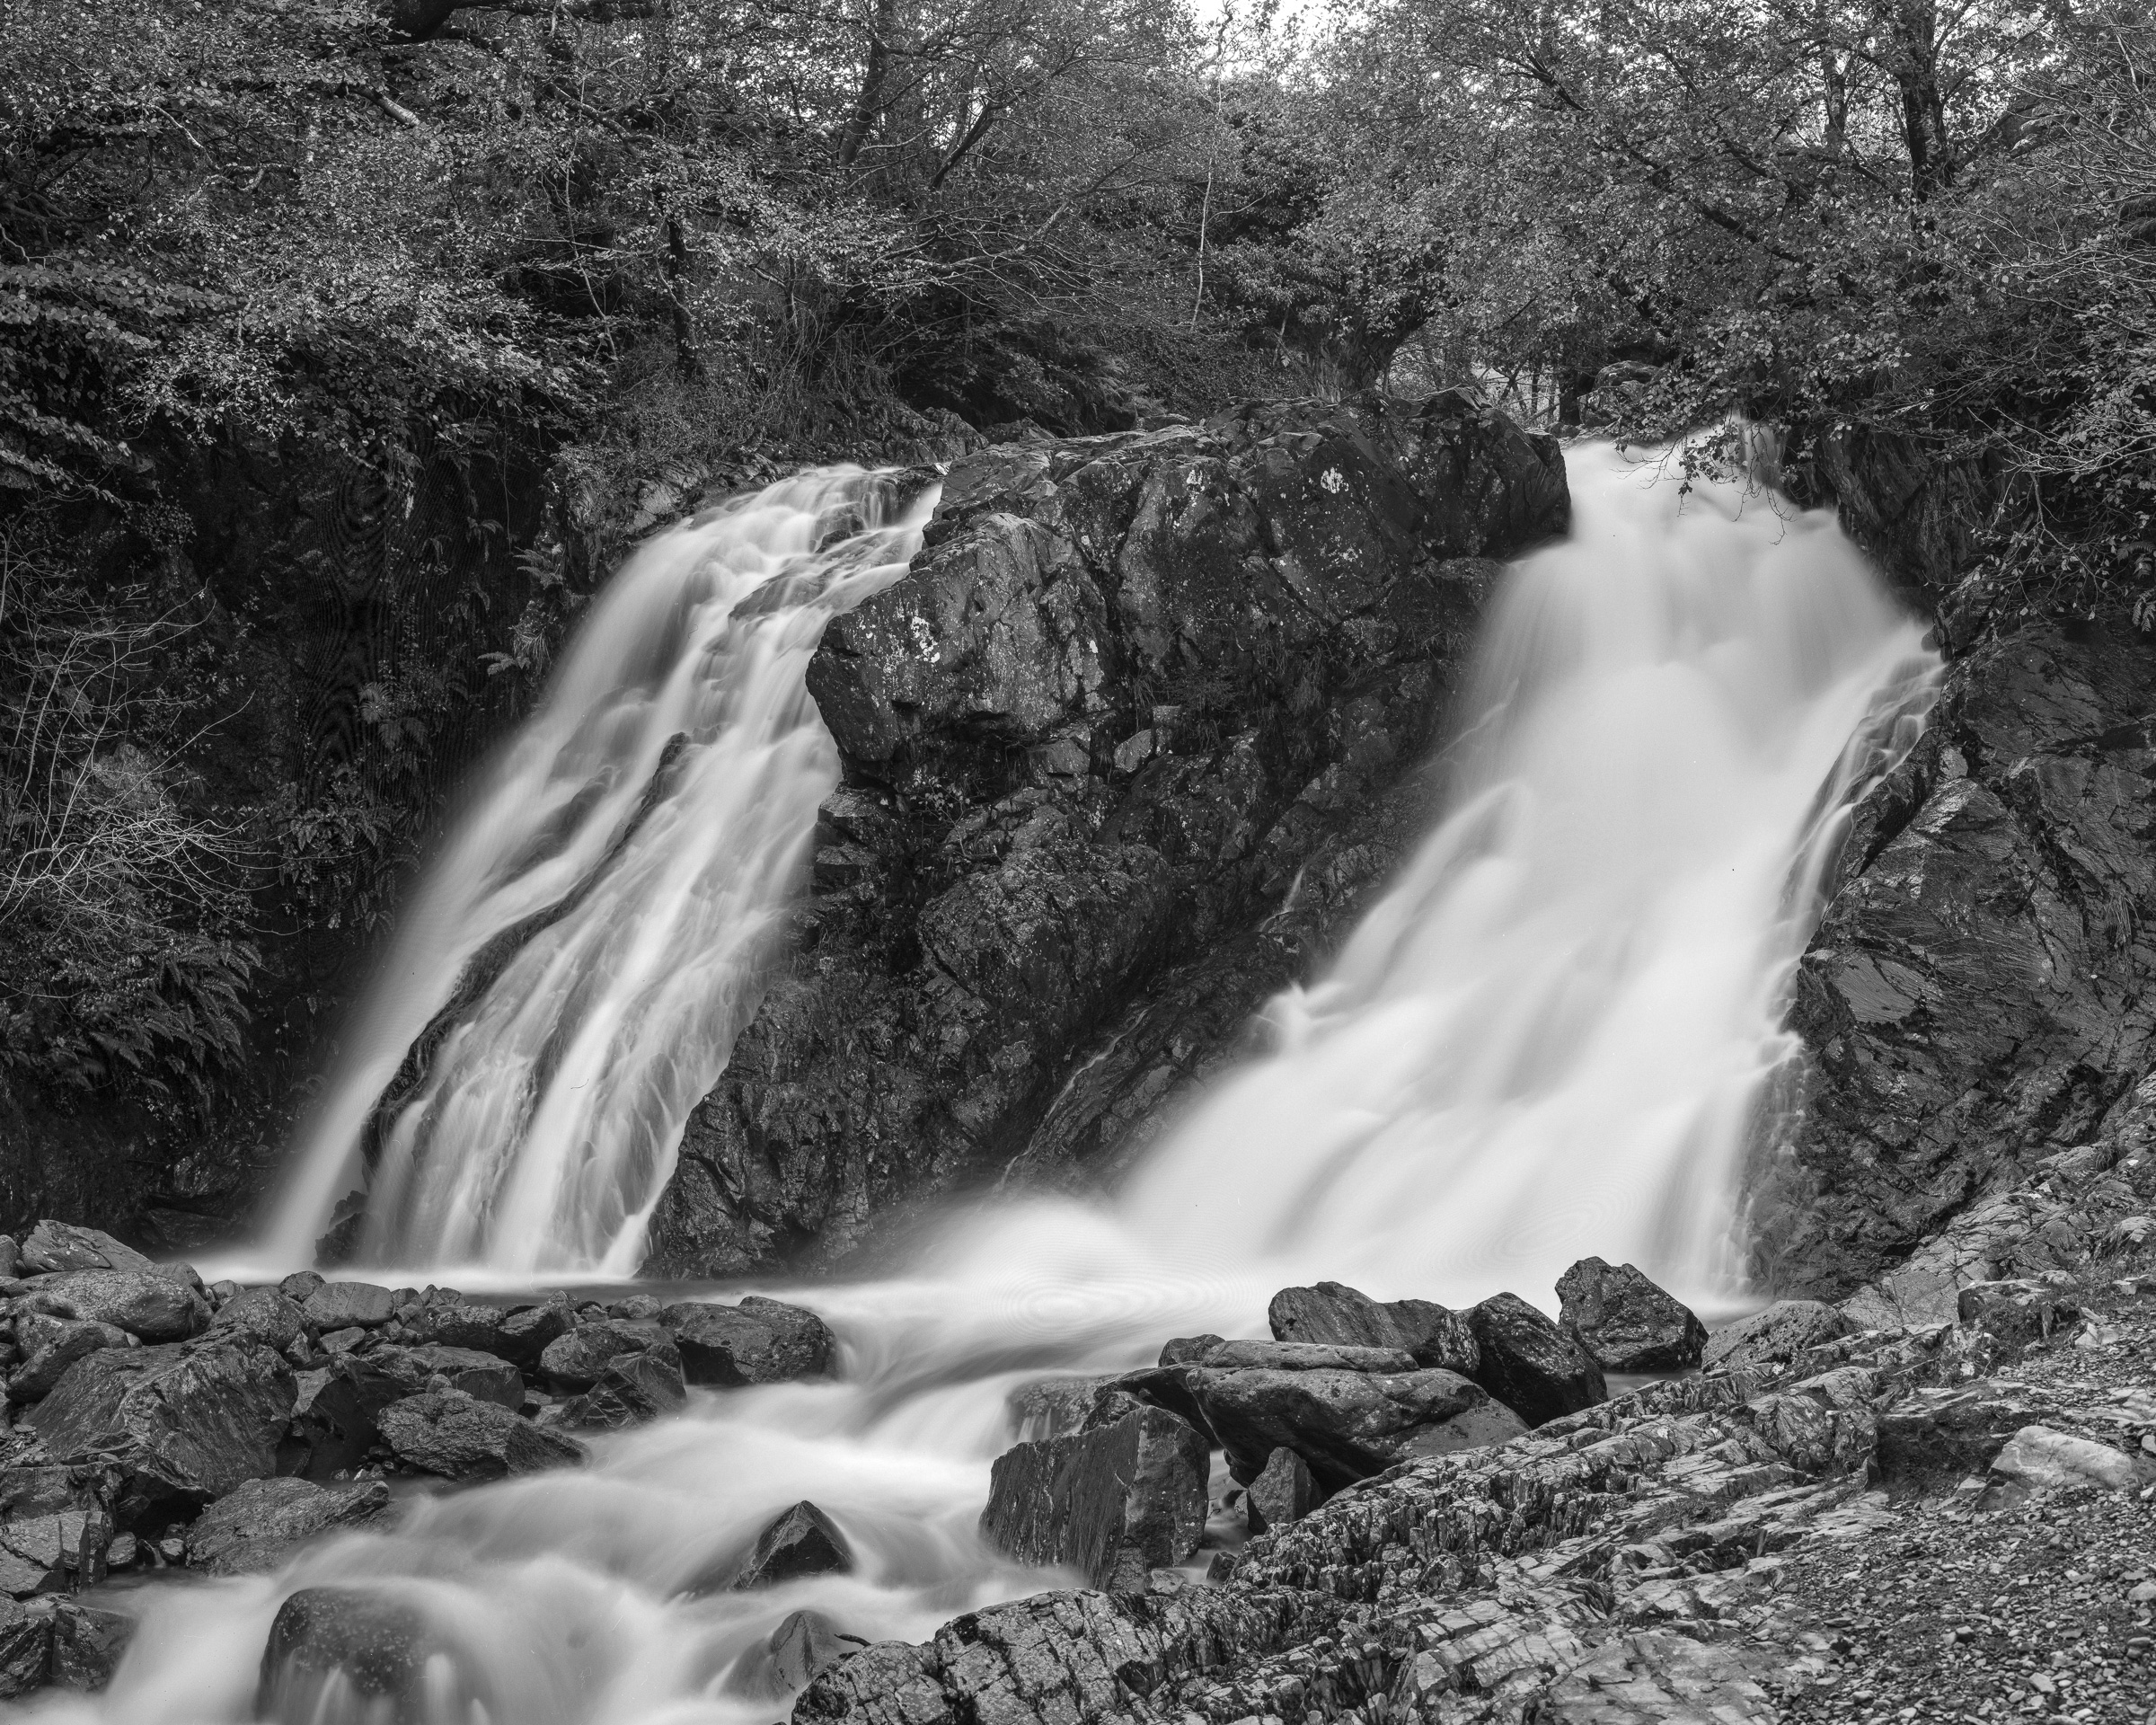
x: 1388, y: 1510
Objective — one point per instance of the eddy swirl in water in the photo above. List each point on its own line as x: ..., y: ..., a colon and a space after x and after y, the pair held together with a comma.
x: 1548, y: 1039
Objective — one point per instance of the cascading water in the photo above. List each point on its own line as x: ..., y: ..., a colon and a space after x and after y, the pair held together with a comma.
x: 1548, y: 1039
x: 636, y: 849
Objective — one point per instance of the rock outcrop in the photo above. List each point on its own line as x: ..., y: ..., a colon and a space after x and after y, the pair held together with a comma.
x: 1125, y: 739
x: 1981, y: 993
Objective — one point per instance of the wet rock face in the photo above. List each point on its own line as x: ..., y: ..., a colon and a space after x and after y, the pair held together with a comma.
x: 756, y: 1341
x: 1978, y: 995
x: 255, y: 1529
x: 1134, y: 689
x: 1627, y: 1322
x: 1113, y: 1502
x: 1536, y: 1369
x: 1332, y: 1311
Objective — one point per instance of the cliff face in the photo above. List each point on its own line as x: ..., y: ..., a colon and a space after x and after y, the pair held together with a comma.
x: 1141, y: 724
x: 1978, y: 995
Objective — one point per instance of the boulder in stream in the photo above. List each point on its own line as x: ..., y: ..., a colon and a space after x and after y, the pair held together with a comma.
x: 483, y: 1375
x: 757, y: 1341
x: 1283, y: 1493
x: 25, y: 1648
x: 574, y: 1361
x: 61, y: 1342
x: 1625, y: 1320
x: 346, y: 1306
x: 1532, y: 1365
x: 1124, y: 1496
x: 370, y: 1646
x: 1346, y: 1424
x: 88, y: 1642
x: 805, y: 1642
x: 465, y: 1439
x: 185, y: 1423
x: 154, y: 1304
x: 802, y: 1541
x: 254, y: 1529
x: 1332, y: 1312
x: 53, y: 1246
x: 631, y: 1390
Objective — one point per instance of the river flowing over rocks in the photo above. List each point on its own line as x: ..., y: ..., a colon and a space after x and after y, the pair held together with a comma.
x: 1133, y: 1082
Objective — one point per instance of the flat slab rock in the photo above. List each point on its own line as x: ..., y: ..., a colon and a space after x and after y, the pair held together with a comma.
x: 257, y: 1528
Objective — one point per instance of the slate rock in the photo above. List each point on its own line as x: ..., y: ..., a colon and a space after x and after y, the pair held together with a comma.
x: 53, y: 1246
x: 1530, y: 1364
x: 25, y: 1648
x: 1346, y: 1424
x: 256, y: 1529
x: 1627, y: 1322
x: 1958, y: 1429
x: 1283, y: 1491
x: 88, y: 1644
x: 805, y: 1643
x: 632, y: 1390
x: 1286, y: 1355
x: 191, y: 1422
x: 414, y: 1369
x: 357, y: 1644
x: 11, y: 1258
x: 300, y: 1284
x: 1118, y: 1499
x: 1051, y: 1407
x: 45, y: 1553
x: 150, y: 1303
x: 757, y: 1341
x: 802, y: 1541
x: 2039, y: 1456
x: 2017, y: 1313
x: 574, y: 1361
x: 1332, y: 1312
x: 265, y: 1312
x: 346, y: 1306
x: 1774, y: 1336
x: 465, y: 1439
x: 333, y: 1425
x: 71, y: 1339
x: 525, y: 1331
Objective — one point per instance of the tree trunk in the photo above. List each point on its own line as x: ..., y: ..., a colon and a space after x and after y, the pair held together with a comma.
x: 1913, y: 33
x: 868, y: 106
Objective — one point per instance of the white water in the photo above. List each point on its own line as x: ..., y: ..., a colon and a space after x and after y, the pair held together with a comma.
x: 1547, y: 1040
x: 550, y: 1116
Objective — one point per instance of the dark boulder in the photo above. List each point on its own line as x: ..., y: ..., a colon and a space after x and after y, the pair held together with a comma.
x: 803, y: 1541
x: 66, y: 1340
x: 346, y: 1306
x: 1332, y: 1312
x: 1122, y: 1497
x: 1346, y: 1424
x: 62, y: 1549
x: 1774, y: 1335
x: 1050, y: 1407
x: 2017, y: 1312
x: 805, y: 1643
x: 463, y: 1439
x: 631, y: 1390
x: 1530, y: 1364
x: 757, y: 1341
x: 574, y: 1361
x: 1286, y: 1355
x: 1625, y: 1321
x: 333, y: 1410
x: 413, y: 1369
x: 88, y: 1644
x: 53, y: 1246
x: 151, y: 1304
x: 258, y: 1527
x: 264, y: 1312
x: 191, y: 1423
x: 367, y: 1648
x: 1283, y: 1491
x: 25, y: 1648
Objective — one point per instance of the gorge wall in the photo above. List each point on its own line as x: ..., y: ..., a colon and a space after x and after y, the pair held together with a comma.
x: 1142, y: 723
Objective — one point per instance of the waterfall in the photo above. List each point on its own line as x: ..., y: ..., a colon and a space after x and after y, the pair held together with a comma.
x: 595, y: 931
x: 1548, y: 1038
